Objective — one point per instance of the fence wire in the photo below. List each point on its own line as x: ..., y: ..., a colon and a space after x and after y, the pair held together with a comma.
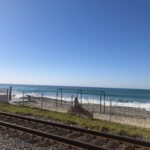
x: 97, y: 102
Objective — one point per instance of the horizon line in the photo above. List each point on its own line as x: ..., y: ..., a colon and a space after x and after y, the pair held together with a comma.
x: 30, y: 84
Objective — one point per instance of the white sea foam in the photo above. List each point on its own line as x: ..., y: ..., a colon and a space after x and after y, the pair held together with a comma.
x: 145, y: 106
x: 18, y: 95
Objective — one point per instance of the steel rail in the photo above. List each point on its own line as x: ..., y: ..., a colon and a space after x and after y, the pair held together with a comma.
x: 86, y: 131
x: 53, y: 137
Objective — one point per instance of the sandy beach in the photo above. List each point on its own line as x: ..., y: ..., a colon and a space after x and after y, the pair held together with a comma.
x: 124, y: 115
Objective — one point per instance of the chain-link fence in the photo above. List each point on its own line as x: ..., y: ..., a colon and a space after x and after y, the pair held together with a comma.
x: 131, y: 113
x: 4, y: 95
x: 96, y: 102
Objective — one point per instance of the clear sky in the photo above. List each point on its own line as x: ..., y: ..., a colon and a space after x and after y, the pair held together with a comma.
x: 103, y: 43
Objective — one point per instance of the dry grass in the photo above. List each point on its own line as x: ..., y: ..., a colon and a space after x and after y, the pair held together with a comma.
x: 95, y: 124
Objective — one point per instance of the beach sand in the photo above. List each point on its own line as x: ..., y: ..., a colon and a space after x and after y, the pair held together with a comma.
x: 119, y: 114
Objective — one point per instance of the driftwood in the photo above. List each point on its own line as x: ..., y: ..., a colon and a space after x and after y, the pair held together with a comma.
x: 79, y: 110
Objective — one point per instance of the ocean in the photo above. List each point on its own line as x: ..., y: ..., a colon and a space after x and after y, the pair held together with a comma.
x: 117, y: 96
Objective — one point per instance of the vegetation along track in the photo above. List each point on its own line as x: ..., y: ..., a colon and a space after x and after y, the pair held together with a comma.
x: 71, y: 135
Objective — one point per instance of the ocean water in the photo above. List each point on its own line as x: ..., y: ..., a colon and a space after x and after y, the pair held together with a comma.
x: 117, y: 96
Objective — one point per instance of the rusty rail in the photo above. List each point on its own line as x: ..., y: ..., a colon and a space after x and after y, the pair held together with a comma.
x: 52, y: 137
x: 86, y: 131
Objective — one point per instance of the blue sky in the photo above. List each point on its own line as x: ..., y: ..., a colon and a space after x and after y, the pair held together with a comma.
x: 101, y: 43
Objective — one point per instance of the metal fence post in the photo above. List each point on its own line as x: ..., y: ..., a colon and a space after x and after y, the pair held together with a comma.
x: 110, y: 113
x: 42, y: 101
x: 100, y: 105
x: 10, y: 92
x: 56, y: 97
x: 93, y: 103
x: 23, y: 98
x: 7, y: 93
x: 104, y: 103
x: 61, y: 97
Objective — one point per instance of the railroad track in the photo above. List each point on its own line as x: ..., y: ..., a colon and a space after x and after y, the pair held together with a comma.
x: 70, y: 135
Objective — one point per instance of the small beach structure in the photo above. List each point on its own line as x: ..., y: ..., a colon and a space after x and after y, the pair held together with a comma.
x: 79, y: 110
